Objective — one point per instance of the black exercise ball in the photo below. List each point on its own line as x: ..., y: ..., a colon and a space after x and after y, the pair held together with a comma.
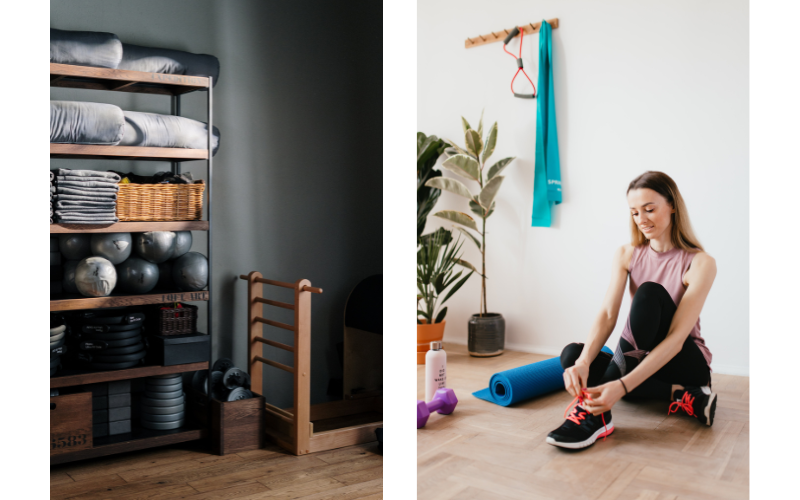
x: 154, y: 246
x: 95, y: 277
x: 68, y: 282
x: 136, y: 276
x: 116, y: 247
x: 190, y: 272
x: 74, y: 246
x: 183, y: 243
x: 165, y: 275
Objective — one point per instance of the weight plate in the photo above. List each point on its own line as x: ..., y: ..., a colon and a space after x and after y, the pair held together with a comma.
x: 216, y: 382
x: 162, y: 410
x: 234, y: 378
x: 199, y: 380
x: 239, y: 393
x: 109, y: 328
x: 125, y: 319
x: 163, y: 402
x: 101, y: 345
x: 117, y: 351
x: 120, y: 358
x: 162, y: 426
x: 53, y: 392
x: 56, y: 338
x: 113, y: 335
x: 222, y: 365
x: 163, y: 388
x: 115, y: 366
x: 55, y: 345
x: 164, y: 418
x: 172, y: 380
x: 58, y: 350
x: 57, y: 330
x: 164, y: 395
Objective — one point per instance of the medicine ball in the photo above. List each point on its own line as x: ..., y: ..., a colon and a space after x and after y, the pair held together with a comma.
x: 136, y: 275
x: 68, y: 282
x: 183, y: 243
x: 74, y: 246
x: 95, y: 277
x: 116, y: 247
x: 155, y: 246
x: 190, y: 272
x: 165, y: 275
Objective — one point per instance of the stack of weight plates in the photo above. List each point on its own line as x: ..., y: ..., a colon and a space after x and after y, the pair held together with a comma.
x: 162, y: 403
x: 58, y: 334
x: 111, y: 341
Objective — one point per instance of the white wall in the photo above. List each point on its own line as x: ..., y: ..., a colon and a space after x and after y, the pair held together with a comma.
x: 639, y: 86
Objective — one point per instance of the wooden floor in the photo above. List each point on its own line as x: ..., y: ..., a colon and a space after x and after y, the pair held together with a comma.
x: 485, y: 451
x: 188, y: 472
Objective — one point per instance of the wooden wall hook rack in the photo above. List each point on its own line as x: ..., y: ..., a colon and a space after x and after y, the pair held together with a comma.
x: 501, y: 35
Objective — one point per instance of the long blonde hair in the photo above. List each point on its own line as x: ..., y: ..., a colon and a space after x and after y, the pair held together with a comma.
x: 681, y: 229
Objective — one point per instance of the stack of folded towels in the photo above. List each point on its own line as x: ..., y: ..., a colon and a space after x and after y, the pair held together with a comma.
x: 52, y: 195
x: 86, y: 197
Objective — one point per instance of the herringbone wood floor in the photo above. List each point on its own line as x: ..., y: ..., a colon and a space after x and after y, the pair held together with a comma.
x: 186, y: 472
x: 485, y: 451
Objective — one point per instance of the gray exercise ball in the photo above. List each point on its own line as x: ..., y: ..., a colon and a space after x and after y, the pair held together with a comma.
x: 155, y: 246
x: 116, y: 247
x: 95, y: 277
x: 165, y: 275
x: 74, y: 246
x: 68, y: 282
x: 190, y: 272
x: 136, y: 275
x: 183, y: 243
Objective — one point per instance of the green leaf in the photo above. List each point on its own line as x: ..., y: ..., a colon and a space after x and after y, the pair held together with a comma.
x: 465, y: 124
x: 491, y: 141
x: 424, y: 315
x: 498, y: 167
x: 457, y: 148
x: 466, y: 264
x: 452, y: 185
x: 480, y: 124
x: 458, y: 218
x: 438, y: 283
x: 456, y: 287
x: 476, y: 209
x: 489, y: 191
x: 473, y: 142
x: 464, y: 166
x: 420, y: 139
x: 441, y: 315
x: 474, y: 239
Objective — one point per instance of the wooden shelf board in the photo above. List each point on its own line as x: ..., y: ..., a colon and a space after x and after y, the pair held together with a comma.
x: 139, y: 439
x: 73, y: 302
x: 119, y: 80
x: 130, y: 227
x: 95, y: 152
x: 74, y: 377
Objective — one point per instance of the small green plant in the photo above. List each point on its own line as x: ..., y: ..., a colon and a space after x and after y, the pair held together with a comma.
x: 470, y: 163
x: 429, y: 149
x: 436, y: 261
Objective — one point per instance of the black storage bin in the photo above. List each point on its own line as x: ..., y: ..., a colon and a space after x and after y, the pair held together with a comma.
x: 170, y: 350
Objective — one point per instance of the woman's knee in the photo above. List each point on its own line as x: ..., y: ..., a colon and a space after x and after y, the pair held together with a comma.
x: 570, y: 354
x: 649, y: 294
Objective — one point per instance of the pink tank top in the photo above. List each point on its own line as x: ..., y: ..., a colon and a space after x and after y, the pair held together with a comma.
x: 666, y: 269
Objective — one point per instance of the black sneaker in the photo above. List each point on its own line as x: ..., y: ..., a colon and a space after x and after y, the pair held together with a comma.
x: 581, y: 429
x: 698, y: 402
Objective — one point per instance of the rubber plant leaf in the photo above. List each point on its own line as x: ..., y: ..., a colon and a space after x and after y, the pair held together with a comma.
x: 463, y: 165
x: 491, y: 141
x: 473, y: 238
x: 452, y: 185
x: 458, y: 218
x: 499, y: 166
x: 490, y: 191
x: 473, y: 142
x: 480, y: 123
x: 465, y: 124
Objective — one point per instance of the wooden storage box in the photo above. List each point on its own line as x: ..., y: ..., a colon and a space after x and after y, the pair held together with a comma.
x: 160, y: 202
x: 235, y: 425
x: 70, y: 423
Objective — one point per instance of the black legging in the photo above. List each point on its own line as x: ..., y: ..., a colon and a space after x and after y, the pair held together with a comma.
x: 651, y: 314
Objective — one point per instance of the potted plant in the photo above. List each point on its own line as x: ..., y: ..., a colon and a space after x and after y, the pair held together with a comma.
x: 486, y: 330
x: 437, y: 281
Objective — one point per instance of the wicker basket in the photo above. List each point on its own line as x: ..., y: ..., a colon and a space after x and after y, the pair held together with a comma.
x: 175, y: 321
x: 160, y: 202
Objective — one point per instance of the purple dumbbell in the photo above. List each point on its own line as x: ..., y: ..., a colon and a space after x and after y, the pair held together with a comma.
x: 444, y: 401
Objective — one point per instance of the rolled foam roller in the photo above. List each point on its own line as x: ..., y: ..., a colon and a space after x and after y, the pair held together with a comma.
x: 525, y: 382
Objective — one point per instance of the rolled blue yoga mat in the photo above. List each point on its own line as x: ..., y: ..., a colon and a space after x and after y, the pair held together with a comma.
x: 525, y: 382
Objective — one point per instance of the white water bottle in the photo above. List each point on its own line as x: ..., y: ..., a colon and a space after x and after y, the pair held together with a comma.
x: 435, y: 370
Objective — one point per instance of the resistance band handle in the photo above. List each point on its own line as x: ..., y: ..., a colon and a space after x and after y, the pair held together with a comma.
x: 525, y: 96
x: 511, y: 35
x: 519, y: 62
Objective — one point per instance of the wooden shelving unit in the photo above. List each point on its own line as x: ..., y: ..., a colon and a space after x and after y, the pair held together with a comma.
x: 80, y: 77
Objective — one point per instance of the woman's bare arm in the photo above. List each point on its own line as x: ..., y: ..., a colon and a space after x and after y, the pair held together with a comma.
x: 699, y: 280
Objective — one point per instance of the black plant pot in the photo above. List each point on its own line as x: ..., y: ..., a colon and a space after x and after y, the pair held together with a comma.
x: 487, y: 335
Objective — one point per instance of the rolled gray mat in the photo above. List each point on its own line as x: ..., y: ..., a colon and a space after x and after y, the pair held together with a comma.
x: 162, y: 60
x: 85, y: 48
x: 57, y: 337
x: 74, y: 122
x: 58, y: 329
x: 164, y: 418
x: 162, y: 402
x: 162, y: 410
x: 162, y: 426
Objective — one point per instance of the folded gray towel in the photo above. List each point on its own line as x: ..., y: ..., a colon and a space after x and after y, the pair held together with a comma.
x: 104, y: 193
x: 87, y: 211
x: 72, y: 197
x: 77, y: 221
x: 103, y: 186
x: 88, y: 173
x: 85, y: 178
x: 85, y: 204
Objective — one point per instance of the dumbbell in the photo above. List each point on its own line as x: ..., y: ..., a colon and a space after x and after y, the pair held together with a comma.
x: 444, y: 401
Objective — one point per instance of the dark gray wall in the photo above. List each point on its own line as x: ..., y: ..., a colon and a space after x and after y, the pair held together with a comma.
x: 298, y: 178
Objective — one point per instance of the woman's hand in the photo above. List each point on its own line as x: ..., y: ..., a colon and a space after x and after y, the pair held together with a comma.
x: 575, y: 378
x: 603, y: 397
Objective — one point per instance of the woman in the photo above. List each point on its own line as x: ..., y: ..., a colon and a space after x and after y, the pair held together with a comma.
x: 660, y: 353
